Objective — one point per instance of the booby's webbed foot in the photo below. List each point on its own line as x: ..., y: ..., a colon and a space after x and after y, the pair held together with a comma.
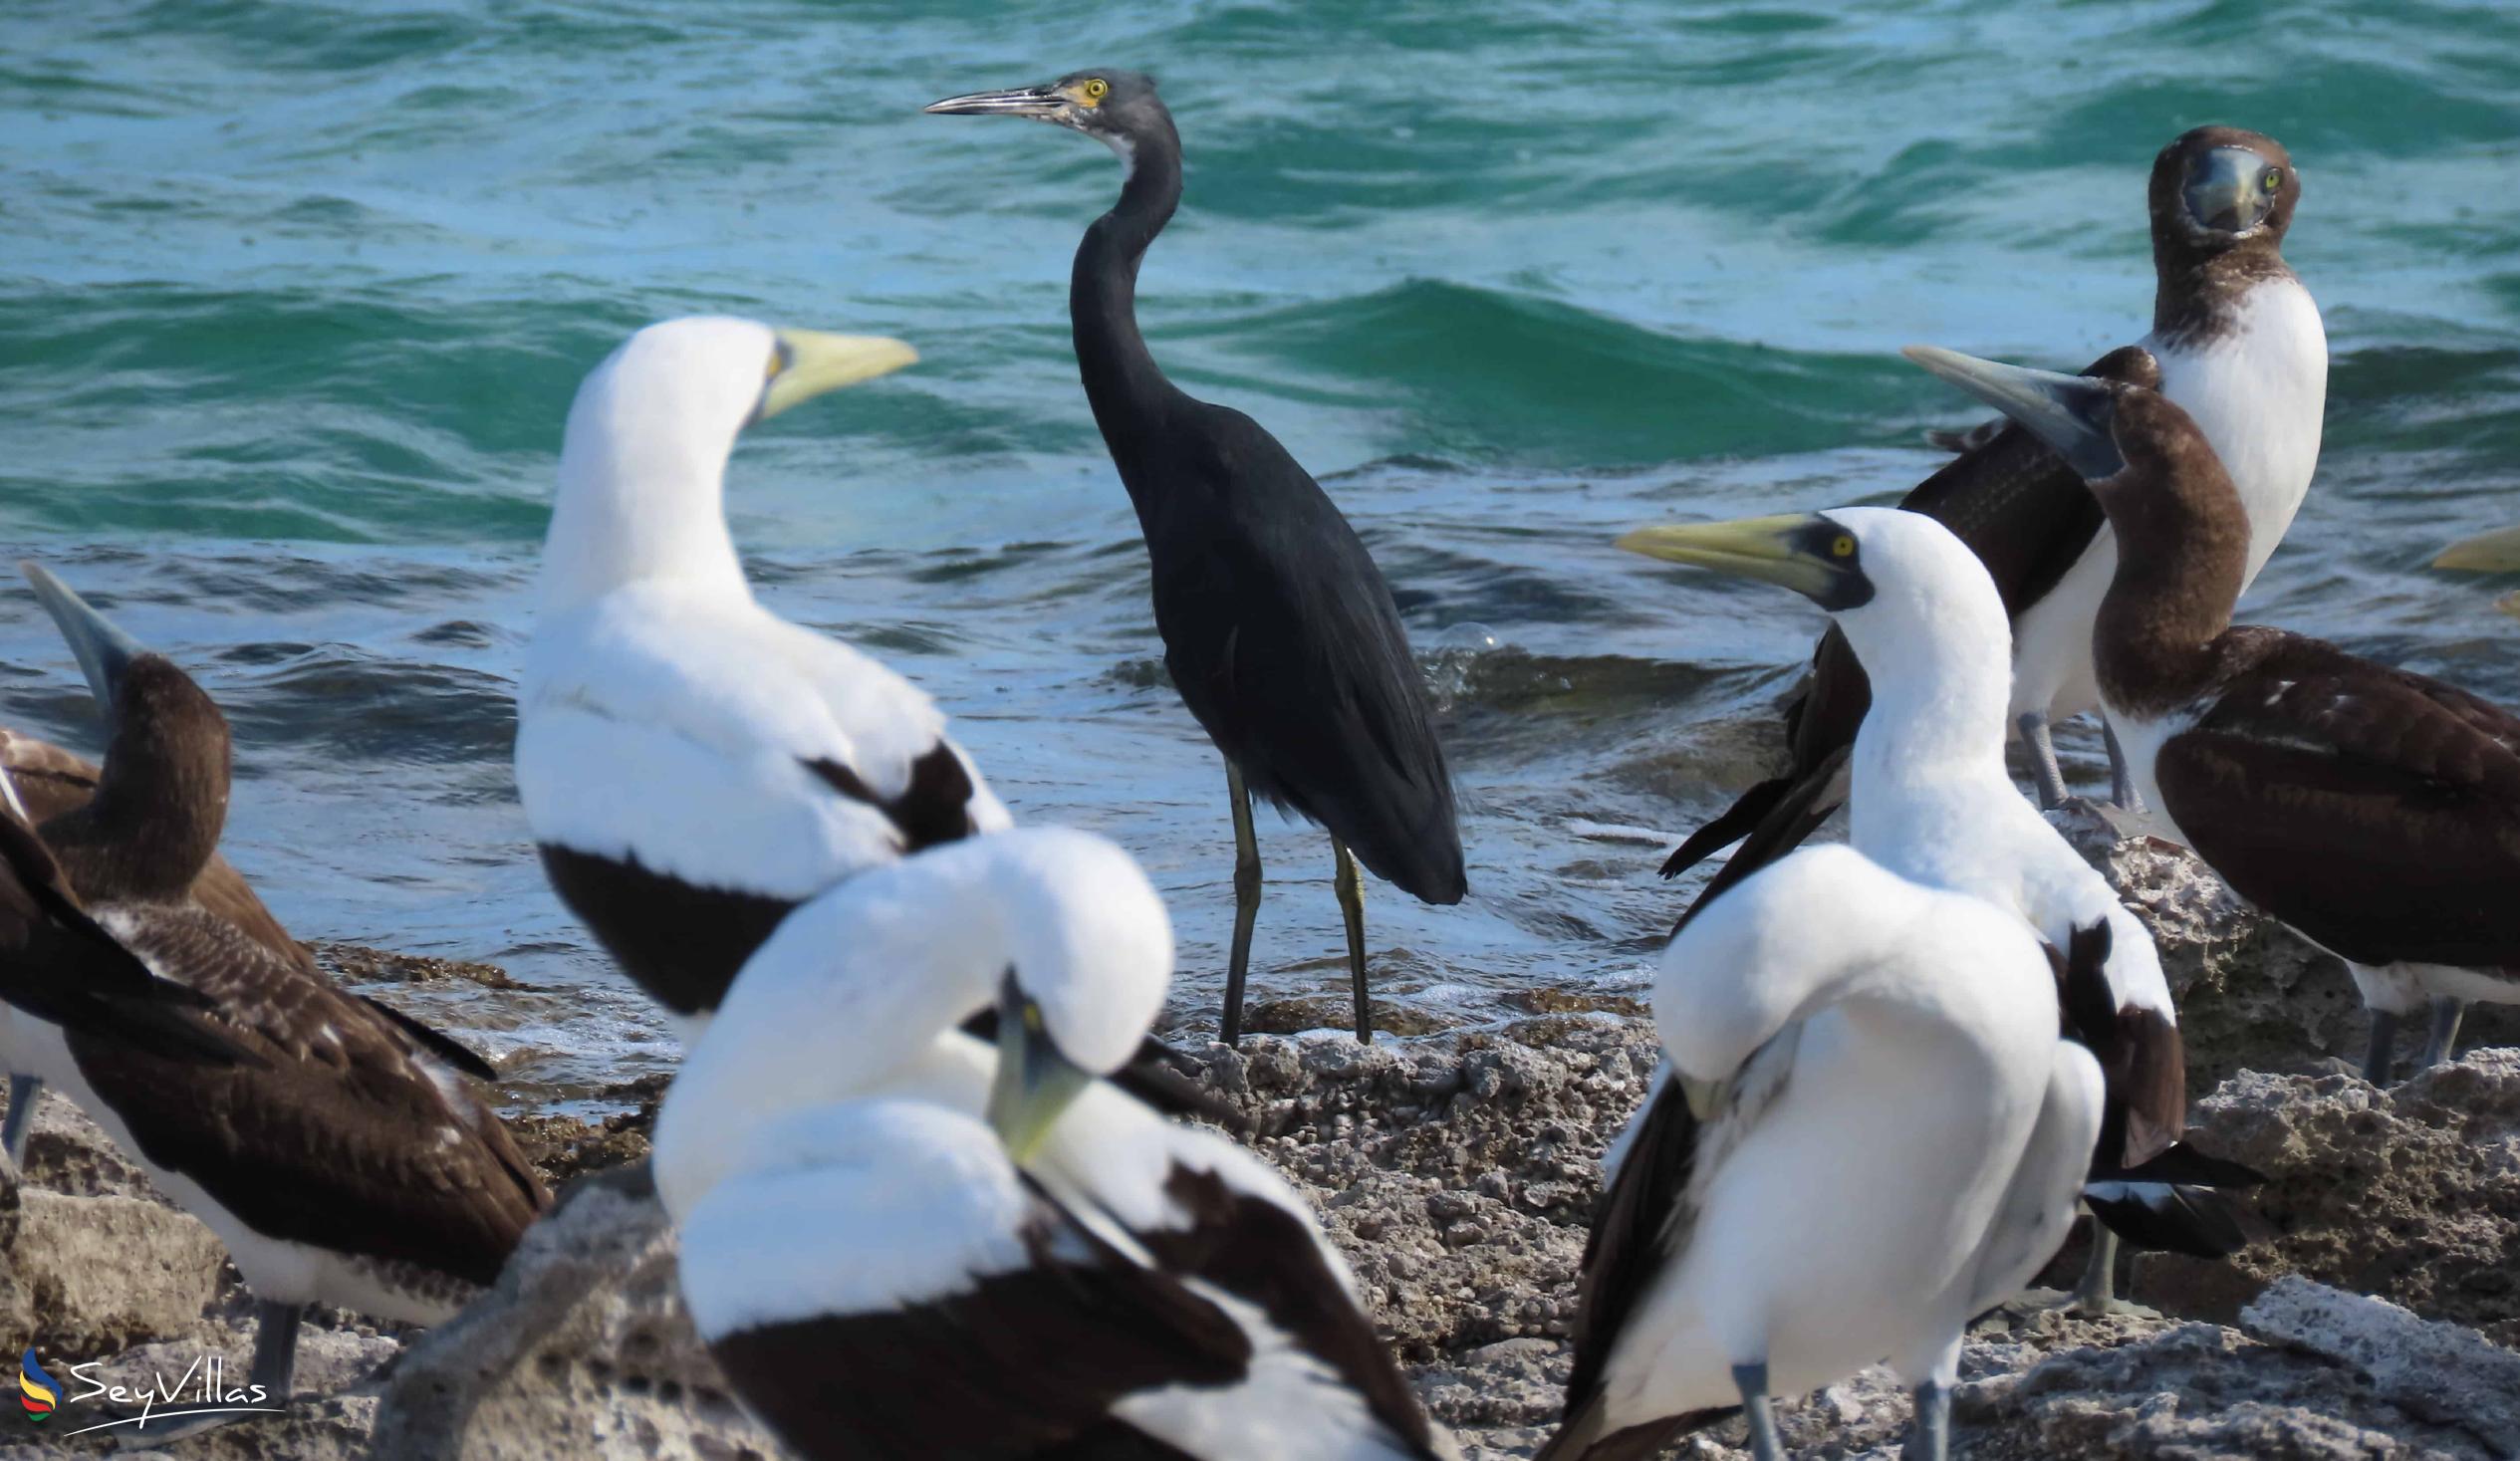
x: 1931, y: 1438
x: 24, y: 1092
x: 1752, y: 1379
x: 2443, y: 1044
x: 2120, y: 776
x: 1350, y: 884
x: 2380, y: 1057
x: 2043, y: 767
x: 1246, y: 903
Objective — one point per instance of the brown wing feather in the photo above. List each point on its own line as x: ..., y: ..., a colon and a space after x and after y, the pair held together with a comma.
x: 336, y: 1133
x: 2375, y: 810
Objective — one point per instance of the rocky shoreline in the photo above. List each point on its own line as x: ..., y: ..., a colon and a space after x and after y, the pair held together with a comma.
x: 1457, y: 1172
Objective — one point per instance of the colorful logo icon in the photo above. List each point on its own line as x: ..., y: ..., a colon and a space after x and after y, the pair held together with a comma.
x: 37, y: 1391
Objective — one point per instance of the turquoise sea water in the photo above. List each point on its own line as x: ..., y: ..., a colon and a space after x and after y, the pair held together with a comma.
x: 293, y: 299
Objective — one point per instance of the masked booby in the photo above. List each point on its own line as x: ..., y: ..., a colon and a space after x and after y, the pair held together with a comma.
x: 2235, y: 339
x: 337, y: 1151
x: 1931, y: 799
x: 1874, y: 1132
x: 45, y: 781
x: 1278, y: 628
x: 1140, y: 1288
x: 2374, y: 810
x: 693, y: 765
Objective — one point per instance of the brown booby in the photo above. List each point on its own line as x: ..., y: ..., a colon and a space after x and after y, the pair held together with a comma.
x: 2374, y: 810
x: 45, y: 781
x: 1077, y: 1276
x: 336, y: 1153
x: 1931, y: 801
x: 1870, y: 1132
x: 2236, y: 339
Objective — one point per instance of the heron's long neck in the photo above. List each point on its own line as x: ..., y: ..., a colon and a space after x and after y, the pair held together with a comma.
x: 1122, y: 381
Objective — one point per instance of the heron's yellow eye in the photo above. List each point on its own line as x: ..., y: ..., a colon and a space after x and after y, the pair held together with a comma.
x: 1843, y: 546
x: 1097, y: 88
x: 2274, y: 179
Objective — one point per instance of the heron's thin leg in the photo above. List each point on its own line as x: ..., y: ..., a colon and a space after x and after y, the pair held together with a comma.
x: 2120, y: 776
x: 1351, y: 882
x: 2446, y: 1011
x: 2043, y: 767
x: 1246, y: 902
x: 23, y: 1091
x: 1752, y: 1379
x: 2098, y: 1293
x: 1932, y: 1438
x: 2380, y: 1056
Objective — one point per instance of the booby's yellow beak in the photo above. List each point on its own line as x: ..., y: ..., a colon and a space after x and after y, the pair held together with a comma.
x: 1036, y: 1083
x: 1804, y: 552
x: 810, y: 363
x: 2497, y: 552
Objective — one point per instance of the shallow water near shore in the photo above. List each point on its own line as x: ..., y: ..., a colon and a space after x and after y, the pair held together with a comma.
x: 296, y: 299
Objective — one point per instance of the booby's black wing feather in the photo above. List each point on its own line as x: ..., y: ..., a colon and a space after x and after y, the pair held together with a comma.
x: 2025, y: 514
x: 2168, y: 1217
x: 1632, y: 1226
x: 1283, y: 641
x: 1259, y: 1252
x: 2143, y: 1061
x: 1021, y: 1363
x: 2374, y: 810
x: 1804, y: 803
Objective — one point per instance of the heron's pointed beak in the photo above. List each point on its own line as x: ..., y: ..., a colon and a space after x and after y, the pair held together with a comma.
x: 1035, y: 1082
x: 2497, y: 552
x: 103, y: 651
x: 812, y: 364
x: 1019, y: 101
x: 2072, y: 413
x: 1786, y: 550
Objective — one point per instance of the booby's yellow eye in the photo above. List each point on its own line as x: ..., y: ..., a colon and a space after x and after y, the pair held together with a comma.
x: 1843, y: 546
x: 1031, y: 1017
x: 2274, y: 179
x: 1097, y: 88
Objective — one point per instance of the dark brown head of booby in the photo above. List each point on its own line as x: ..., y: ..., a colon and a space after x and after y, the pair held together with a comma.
x: 2183, y: 534
x: 161, y: 799
x: 2221, y: 201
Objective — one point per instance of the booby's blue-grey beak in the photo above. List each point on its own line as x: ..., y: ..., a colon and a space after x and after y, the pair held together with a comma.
x: 809, y: 362
x: 1035, y: 1082
x: 103, y: 651
x: 2072, y: 413
x: 2497, y: 552
x: 1809, y: 553
x: 2231, y: 189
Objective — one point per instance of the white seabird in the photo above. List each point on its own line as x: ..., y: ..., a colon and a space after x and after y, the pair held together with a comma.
x: 1227, y: 1326
x: 1931, y: 799
x: 1874, y: 1134
x: 693, y: 765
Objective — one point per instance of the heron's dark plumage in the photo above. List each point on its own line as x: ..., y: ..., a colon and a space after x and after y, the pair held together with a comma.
x: 1279, y: 630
